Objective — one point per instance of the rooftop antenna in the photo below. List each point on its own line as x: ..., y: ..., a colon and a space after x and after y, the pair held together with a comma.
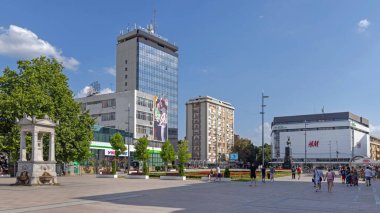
x: 323, y: 109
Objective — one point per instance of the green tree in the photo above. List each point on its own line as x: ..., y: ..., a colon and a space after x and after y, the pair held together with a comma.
x: 167, y: 153
x: 245, y: 150
x: 40, y: 88
x: 267, y: 154
x: 118, y: 145
x: 142, y: 153
x: 183, y: 156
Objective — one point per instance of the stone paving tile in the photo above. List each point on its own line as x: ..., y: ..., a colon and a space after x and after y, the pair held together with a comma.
x: 89, y: 194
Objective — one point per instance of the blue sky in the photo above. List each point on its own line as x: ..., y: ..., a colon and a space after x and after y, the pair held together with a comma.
x: 303, y: 54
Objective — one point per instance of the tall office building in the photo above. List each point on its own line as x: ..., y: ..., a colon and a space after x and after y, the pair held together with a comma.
x: 209, y: 129
x: 148, y: 62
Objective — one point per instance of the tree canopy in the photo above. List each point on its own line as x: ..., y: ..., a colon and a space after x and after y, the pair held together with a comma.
x: 245, y: 150
x: 117, y: 144
x: 183, y: 156
x: 40, y: 88
x: 142, y: 153
x: 167, y: 152
x: 267, y: 154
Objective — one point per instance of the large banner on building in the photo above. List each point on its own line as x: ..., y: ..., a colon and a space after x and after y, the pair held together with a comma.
x: 160, y: 118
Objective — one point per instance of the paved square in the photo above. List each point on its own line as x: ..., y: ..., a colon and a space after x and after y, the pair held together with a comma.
x: 90, y: 194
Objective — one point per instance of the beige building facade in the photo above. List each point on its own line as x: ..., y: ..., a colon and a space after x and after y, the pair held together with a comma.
x: 209, y: 129
x: 374, y: 143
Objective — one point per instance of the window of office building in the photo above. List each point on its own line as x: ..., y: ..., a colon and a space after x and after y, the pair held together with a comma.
x: 144, y: 102
x: 144, y: 116
x: 108, y: 116
x: 146, y: 130
x: 108, y: 103
x: 158, y: 75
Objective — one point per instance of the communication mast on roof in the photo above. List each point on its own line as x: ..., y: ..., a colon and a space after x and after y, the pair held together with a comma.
x: 94, y: 88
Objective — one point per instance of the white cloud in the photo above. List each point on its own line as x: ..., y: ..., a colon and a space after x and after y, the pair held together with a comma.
x: 83, y: 92
x: 106, y: 91
x: 110, y: 70
x: 89, y: 89
x: 363, y: 25
x: 22, y: 43
x: 374, y: 130
x: 258, y: 131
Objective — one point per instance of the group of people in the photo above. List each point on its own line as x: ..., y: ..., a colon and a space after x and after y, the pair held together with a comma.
x: 212, y: 174
x: 318, y: 176
x: 253, y: 169
x: 297, y: 170
x: 350, y: 176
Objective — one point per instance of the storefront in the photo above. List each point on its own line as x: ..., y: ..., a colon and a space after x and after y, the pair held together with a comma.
x: 103, y: 154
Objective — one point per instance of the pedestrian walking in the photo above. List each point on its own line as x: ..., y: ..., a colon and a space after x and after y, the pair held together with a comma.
x: 253, y: 173
x: 299, y: 171
x: 318, y: 174
x: 211, y: 174
x: 330, y: 176
x: 219, y: 173
x: 271, y: 172
x: 263, y: 171
x: 362, y: 174
x: 293, y: 173
x: 343, y: 175
x: 368, y: 174
x: 354, y: 177
x: 373, y: 174
x: 348, y: 177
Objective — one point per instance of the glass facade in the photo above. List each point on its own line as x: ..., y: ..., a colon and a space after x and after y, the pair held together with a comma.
x: 158, y: 75
x: 104, y: 134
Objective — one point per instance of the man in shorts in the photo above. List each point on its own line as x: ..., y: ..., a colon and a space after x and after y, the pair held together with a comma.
x: 219, y: 173
x: 253, y: 173
x: 293, y: 173
x: 343, y: 174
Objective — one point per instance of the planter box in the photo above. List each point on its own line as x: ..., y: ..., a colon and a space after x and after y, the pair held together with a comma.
x: 172, y: 177
x: 145, y: 177
x: 106, y: 176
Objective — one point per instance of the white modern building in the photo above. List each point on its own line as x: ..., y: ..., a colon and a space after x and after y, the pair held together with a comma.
x: 112, y: 110
x: 209, y: 129
x: 320, y: 138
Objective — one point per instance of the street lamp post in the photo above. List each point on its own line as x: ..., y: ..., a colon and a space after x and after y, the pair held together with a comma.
x: 262, y: 125
x: 330, y: 152
x: 305, y: 145
x: 337, y: 152
x: 128, y: 139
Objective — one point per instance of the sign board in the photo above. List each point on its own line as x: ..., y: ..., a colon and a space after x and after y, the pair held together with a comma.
x: 111, y: 152
x: 234, y: 156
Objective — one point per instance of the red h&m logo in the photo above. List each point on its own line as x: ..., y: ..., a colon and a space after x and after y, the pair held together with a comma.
x: 313, y: 144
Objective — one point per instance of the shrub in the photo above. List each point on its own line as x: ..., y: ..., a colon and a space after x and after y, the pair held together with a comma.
x: 157, y: 168
x: 227, y: 173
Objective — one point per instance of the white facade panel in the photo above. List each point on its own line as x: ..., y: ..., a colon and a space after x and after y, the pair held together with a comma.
x: 317, y: 143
